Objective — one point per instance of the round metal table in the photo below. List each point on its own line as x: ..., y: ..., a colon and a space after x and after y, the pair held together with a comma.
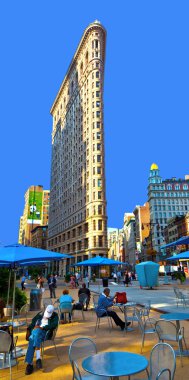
x: 123, y: 308
x: 177, y: 317
x: 115, y: 364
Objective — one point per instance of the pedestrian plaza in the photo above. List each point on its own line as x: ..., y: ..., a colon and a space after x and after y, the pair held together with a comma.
x: 114, y: 340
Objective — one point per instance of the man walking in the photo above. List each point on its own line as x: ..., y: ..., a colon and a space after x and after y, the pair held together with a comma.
x: 104, y: 303
x: 52, y: 286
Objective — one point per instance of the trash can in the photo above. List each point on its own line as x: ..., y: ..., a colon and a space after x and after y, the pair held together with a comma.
x: 105, y: 282
x: 35, y: 299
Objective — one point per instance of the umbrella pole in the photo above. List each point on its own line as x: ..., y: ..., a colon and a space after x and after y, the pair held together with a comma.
x: 99, y: 279
x: 8, y: 293
x: 13, y: 299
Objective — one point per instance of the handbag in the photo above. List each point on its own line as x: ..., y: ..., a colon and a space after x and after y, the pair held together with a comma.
x: 28, y: 333
x: 121, y: 297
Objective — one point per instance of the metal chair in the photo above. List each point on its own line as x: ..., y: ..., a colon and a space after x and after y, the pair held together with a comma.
x: 5, y: 349
x: 162, y: 363
x: 23, y: 313
x: 50, y: 338
x: 95, y: 303
x: 65, y: 308
x: 145, y: 310
x: 79, y: 349
x: 167, y: 331
x: 83, y: 299
x: 146, y: 327
x: 181, y: 298
x: 46, y: 302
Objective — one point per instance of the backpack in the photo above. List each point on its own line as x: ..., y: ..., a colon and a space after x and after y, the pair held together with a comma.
x: 121, y: 297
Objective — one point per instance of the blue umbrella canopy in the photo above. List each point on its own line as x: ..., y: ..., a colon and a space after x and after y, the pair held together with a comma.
x: 98, y: 261
x: 182, y: 241
x: 17, y: 254
x: 180, y: 256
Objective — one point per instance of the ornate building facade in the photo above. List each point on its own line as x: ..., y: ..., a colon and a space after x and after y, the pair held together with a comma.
x: 77, y: 215
x: 168, y: 198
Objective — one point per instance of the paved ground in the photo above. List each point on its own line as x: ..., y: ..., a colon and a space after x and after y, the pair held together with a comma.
x: 162, y: 297
x: 55, y: 369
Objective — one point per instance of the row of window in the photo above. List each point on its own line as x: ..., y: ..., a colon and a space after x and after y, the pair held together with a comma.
x: 181, y: 194
x: 171, y: 187
x: 173, y: 208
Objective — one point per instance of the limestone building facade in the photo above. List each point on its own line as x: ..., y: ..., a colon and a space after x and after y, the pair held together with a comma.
x: 77, y: 214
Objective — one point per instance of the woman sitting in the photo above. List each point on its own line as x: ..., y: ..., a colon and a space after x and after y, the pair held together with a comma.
x: 66, y: 303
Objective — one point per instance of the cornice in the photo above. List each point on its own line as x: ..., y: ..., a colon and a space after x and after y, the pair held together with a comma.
x: 92, y: 26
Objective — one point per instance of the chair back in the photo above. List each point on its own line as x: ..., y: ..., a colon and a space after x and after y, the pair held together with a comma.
x: 5, y: 342
x: 166, y: 330
x: 65, y: 307
x: 79, y: 349
x: 162, y: 362
x: 145, y: 311
x: 140, y: 321
x: 47, y: 302
x: 83, y: 299
x: 95, y: 300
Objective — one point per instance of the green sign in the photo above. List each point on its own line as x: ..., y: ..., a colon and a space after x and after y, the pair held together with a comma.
x: 35, y: 207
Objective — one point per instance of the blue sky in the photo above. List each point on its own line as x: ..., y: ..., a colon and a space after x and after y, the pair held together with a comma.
x: 146, y: 95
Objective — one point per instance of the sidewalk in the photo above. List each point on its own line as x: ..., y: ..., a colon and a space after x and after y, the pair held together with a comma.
x: 162, y: 297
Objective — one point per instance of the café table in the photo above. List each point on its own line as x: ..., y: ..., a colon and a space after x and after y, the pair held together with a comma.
x: 177, y: 317
x: 8, y: 327
x: 115, y: 364
x: 123, y: 308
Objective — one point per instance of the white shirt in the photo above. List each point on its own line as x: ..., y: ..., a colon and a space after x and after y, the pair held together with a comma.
x: 44, y: 322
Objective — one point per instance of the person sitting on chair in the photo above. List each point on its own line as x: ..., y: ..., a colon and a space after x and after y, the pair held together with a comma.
x: 85, y: 290
x: 65, y: 298
x: 41, y: 328
x: 104, y: 302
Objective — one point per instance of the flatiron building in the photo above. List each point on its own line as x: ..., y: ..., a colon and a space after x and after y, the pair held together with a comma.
x: 77, y: 213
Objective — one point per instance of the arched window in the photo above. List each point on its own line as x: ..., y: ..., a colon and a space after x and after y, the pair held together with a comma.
x: 86, y: 58
x: 81, y: 68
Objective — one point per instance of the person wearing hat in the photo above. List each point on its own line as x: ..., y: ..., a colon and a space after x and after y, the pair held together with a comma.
x: 41, y: 328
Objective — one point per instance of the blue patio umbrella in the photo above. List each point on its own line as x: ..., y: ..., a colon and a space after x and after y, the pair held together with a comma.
x: 15, y: 255
x: 98, y: 261
x: 180, y: 256
x: 182, y: 241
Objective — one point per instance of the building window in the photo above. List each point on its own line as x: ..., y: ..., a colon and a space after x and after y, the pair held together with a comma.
x: 99, y: 183
x: 97, y: 113
x: 99, y: 209
x: 100, y: 241
x: 97, y: 84
x: 86, y: 243
x: 94, y: 241
x: 99, y: 170
x: 97, y: 94
x: 98, y: 135
x: 99, y: 194
x: 98, y: 146
x: 94, y: 225
x: 98, y: 158
x: 177, y: 187
x: 97, y: 74
x: 100, y: 224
